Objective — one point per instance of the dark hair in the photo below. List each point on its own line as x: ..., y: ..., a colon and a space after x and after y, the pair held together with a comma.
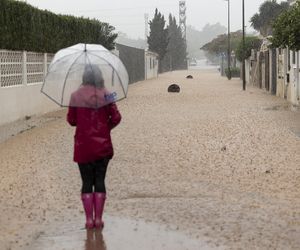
x: 92, y: 75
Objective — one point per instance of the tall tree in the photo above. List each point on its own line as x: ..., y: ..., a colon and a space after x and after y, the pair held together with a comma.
x: 268, y: 12
x: 218, y: 46
x: 176, y: 49
x: 158, y: 37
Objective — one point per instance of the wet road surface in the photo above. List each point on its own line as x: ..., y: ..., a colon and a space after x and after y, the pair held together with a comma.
x: 119, y: 233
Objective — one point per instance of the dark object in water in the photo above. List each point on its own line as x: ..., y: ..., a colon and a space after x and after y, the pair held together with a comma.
x: 189, y: 77
x: 174, y: 88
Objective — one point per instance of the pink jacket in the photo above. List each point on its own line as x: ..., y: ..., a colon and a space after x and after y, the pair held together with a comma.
x: 93, y: 126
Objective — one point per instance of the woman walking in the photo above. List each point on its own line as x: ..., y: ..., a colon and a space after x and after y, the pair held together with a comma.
x: 93, y: 147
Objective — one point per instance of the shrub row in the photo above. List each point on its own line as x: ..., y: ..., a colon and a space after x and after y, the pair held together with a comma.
x: 24, y: 27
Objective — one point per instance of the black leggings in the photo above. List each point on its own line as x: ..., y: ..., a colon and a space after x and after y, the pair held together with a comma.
x: 93, y: 176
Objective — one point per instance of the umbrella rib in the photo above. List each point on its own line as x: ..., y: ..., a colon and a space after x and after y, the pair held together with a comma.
x: 51, y: 98
x: 48, y: 72
x: 62, y: 58
x: 62, y: 97
x: 118, y: 74
x: 113, y: 68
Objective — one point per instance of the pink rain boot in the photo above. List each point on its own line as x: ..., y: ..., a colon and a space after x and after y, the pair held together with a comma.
x: 99, y: 200
x: 87, y: 201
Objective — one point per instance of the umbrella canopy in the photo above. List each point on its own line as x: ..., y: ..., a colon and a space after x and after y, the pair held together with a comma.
x: 85, y: 75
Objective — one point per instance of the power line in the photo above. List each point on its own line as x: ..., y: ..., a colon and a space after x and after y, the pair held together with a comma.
x: 127, y: 8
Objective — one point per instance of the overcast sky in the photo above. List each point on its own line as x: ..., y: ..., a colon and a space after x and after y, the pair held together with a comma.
x: 128, y: 15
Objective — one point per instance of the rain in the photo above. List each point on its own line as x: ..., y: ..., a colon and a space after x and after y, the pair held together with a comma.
x: 142, y: 125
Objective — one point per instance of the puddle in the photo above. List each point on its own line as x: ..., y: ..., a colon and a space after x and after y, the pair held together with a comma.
x: 119, y: 234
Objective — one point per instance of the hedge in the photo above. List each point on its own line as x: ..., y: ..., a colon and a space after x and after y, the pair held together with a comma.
x: 234, y: 72
x: 24, y: 27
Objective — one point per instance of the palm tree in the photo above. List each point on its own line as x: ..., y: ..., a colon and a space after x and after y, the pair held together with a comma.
x: 268, y: 12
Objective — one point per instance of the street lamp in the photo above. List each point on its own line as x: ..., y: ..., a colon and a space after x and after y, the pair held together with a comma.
x: 229, y: 50
x: 244, y: 65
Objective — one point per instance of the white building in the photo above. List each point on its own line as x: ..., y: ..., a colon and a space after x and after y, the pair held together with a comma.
x: 151, y: 64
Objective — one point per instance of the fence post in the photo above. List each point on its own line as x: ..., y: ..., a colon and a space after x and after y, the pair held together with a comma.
x: 24, y: 68
x: 297, y: 75
x: 0, y: 69
x: 146, y: 60
x: 45, y: 65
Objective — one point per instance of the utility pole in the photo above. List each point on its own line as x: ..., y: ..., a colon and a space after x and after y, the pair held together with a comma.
x: 244, y: 64
x: 182, y: 21
x: 146, y: 16
x: 228, y: 48
x: 182, y: 18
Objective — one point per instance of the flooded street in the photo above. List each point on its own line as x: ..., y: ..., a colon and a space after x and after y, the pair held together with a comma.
x: 211, y: 167
x: 119, y: 233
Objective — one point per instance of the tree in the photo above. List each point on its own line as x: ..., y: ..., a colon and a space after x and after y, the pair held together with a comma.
x: 251, y: 42
x: 268, y: 12
x: 218, y: 46
x: 287, y: 29
x: 176, y: 49
x: 195, y: 38
x: 158, y: 38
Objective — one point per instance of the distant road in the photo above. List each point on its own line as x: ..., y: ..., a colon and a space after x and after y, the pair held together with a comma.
x: 202, y: 64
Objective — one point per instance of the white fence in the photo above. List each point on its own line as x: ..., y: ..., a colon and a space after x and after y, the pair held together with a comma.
x: 17, y: 68
x: 21, y: 77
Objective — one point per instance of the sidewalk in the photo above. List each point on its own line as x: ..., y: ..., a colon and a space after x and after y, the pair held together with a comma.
x: 214, y: 163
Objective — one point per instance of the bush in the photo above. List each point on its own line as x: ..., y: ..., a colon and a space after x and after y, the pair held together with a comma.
x: 251, y: 42
x: 234, y: 72
x: 24, y: 27
x: 286, y: 29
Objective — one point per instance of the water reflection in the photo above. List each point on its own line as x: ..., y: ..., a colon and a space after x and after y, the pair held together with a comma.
x: 94, y: 240
x: 118, y: 234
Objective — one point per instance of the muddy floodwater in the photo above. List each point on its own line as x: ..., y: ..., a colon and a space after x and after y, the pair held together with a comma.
x: 210, y: 167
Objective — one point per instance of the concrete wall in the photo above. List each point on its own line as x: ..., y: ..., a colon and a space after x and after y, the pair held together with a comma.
x: 134, y: 62
x: 276, y: 71
x: 21, y: 77
x: 24, y: 100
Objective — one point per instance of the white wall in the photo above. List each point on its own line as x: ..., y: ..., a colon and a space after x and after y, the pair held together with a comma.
x: 151, y: 65
x: 21, y: 76
x: 293, y: 86
x: 20, y: 101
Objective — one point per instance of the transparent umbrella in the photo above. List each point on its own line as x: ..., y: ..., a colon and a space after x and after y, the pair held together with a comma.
x: 85, y: 75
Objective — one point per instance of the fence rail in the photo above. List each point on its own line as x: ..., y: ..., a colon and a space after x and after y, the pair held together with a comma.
x: 22, y: 68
